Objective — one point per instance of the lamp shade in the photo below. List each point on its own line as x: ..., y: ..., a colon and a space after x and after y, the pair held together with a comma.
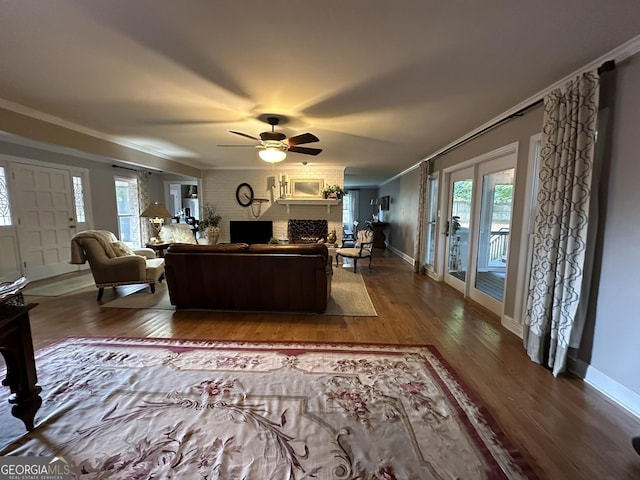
x: 272, y: 155
x: 155, y: 210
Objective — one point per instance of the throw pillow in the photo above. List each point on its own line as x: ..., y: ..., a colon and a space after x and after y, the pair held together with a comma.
x: 121, y: 250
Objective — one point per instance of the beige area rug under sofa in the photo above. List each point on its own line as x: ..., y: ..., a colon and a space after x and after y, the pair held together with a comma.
x: 349, y: 297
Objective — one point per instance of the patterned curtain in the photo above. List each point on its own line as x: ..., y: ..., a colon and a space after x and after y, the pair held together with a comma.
x: 422, y: 224
x: 144, y: 200
x: 562, y: 221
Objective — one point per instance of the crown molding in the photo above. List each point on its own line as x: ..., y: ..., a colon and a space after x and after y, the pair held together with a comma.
x: 45, y: 117
x: 618, y: 54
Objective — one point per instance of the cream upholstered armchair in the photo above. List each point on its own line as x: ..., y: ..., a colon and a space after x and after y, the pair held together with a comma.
x: 363, y: 248
x: 113, y: 263
x: 177, y: 233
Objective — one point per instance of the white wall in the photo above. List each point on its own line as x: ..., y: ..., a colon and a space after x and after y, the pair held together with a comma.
x: 219, y: 189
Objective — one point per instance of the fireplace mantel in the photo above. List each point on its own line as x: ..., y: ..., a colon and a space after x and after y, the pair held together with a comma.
x: 328, y: 202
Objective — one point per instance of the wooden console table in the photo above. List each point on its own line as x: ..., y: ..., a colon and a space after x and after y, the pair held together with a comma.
x: 379, y: 237
x: 16, y: 346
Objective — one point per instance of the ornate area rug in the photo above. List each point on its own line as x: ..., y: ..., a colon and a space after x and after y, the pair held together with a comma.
x: 349, y: 297
x: 154, y: 408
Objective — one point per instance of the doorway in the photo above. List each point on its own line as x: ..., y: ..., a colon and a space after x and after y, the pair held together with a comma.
x: 45, y: 205
x: 493, y: 232
x: 477, y: 227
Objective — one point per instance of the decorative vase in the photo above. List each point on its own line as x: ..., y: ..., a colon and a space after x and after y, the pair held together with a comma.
x: 213, y: 234
x: 331, y: 238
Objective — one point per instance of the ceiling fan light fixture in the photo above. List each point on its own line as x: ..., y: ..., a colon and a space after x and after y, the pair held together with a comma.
x: 272, y: 155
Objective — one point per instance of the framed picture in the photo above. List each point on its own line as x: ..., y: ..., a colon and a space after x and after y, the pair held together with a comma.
x: 306, y: 188
x: 384, y: 202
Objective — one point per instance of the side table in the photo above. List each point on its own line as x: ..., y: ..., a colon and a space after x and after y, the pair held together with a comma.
x: 16, y: 346
x: 159, y: 248
x: 379, y: 238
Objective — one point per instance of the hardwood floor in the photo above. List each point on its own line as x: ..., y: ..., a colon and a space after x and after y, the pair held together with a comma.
x: 562, y: 426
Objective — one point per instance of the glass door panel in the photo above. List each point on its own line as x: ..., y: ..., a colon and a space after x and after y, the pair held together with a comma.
x: 432, y: 219
x: 458, y: 227
x: 493, y: 232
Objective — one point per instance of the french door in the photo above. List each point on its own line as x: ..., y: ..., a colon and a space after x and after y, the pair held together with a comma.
x: 459, y: 211
x: 493, y: 209
x: 479, y: 200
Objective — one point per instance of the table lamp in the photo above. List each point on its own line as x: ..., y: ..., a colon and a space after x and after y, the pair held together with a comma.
x: 156, y: 213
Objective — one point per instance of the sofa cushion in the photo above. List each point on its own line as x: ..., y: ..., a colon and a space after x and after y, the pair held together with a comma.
x: 297, y: 249
x: 218, y: 248
x: 121, y: 249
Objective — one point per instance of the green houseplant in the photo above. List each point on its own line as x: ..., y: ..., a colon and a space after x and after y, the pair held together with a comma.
x: 209, y: 222
x: 333, y: 191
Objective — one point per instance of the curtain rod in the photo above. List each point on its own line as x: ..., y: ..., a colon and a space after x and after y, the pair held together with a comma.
x: 132, y: 169
x: 607, y: 66
x: 124, y: 168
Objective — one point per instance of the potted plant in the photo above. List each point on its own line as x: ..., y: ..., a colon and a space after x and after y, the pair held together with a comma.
x: 333, y: 191
x: 209, y: 222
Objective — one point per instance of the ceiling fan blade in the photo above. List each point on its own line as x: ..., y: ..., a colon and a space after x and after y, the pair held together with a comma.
x: 305, y: 150
x: 246, y: 135
x: 302, y: 138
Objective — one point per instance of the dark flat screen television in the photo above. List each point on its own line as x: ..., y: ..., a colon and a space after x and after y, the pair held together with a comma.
x: 250, y: 231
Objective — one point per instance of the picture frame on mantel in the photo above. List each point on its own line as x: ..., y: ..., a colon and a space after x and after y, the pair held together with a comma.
x: 306, y: 188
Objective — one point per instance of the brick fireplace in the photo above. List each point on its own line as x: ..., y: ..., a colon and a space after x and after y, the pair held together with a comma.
x: 307, y: 231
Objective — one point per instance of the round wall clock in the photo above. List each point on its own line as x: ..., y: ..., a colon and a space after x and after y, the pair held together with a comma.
x: 244, y: 194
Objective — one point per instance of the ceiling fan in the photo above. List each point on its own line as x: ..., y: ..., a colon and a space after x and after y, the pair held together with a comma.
x: 275, y: 145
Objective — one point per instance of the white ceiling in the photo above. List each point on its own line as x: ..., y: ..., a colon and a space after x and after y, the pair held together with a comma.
x: 382, y: 84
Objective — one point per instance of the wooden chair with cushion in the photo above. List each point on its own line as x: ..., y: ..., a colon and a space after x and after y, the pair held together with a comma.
x: 113, y: 263
x: 349, y: 235
x: 363, y: 249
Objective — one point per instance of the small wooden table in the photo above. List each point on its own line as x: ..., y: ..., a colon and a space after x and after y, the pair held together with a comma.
x: 379, y: 237
x: 159, y: 248
x: 16, y: 346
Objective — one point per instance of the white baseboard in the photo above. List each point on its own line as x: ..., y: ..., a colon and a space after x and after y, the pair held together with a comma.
x: 511, y: 325
x: 402, y: 255
x: 617, y: 392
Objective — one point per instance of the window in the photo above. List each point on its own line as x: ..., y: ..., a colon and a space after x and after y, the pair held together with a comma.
x: 350, y: 204
x: 128, y: 211
x: 78, y: 199
x: 432, y: 221
x: 5, y: 208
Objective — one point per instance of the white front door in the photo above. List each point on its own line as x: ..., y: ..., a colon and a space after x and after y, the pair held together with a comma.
x: 46, y: 221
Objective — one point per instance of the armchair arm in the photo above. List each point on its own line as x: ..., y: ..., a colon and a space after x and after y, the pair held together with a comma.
x: 145, y: 252
x: 363, y: 246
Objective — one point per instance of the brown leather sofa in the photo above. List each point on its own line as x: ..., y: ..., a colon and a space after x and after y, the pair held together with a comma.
x: 237, y: 276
